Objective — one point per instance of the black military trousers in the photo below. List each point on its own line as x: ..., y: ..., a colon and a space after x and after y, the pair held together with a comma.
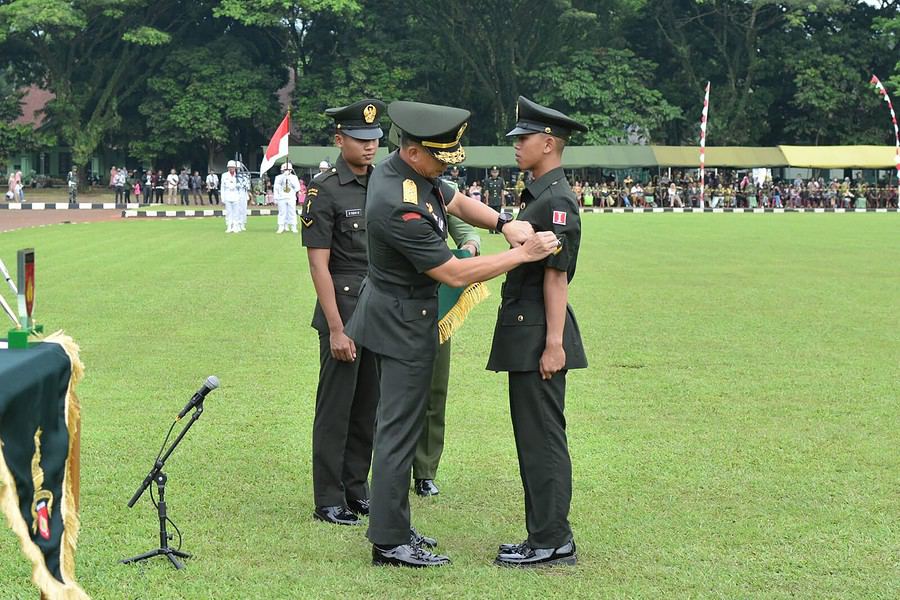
x: 539, y: 425
x: 344, y: 425
x: 405, y: 388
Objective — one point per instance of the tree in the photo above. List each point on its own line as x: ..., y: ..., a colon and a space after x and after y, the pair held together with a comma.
x: 15, y: 139
x: 91, y: 54
x: 206, y: 94
x: 608, y: 91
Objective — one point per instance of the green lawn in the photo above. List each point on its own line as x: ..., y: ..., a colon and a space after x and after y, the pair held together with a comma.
x: 735, y: 436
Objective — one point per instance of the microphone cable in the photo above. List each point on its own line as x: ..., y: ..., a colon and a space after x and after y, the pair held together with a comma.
x: 152, y: 498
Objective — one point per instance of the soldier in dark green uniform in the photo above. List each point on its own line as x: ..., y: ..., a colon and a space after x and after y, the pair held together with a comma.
x: 536, y: 340
x: 494, y: 189
x: 396, y: 318
x: 455, y: 178
x: 334, y: 233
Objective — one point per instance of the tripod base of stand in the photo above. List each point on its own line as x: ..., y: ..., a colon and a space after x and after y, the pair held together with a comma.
x: 170, y: 553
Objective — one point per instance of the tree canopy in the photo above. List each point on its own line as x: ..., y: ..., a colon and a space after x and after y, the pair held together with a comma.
x: 161, y: 78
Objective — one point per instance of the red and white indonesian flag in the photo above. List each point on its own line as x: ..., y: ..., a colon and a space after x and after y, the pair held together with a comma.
x: 278, y: 145
x: 704, y: 115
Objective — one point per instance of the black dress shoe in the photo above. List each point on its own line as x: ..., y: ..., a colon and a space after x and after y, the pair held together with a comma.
x: 360, y: 507
x: 526, y: 556
x: 336, y: 515
x: 417, y: 539
x: 407, y: 555
x: 426, y: 487
x: 509, y: 548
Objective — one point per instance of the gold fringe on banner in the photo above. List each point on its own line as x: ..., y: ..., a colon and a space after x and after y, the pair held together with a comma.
x: 471, y: 297
x: 41, y: 576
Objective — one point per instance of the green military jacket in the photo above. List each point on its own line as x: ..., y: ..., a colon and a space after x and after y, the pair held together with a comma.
x: 494, y: 188
x: 406, y: 223
x: 334, y: 217
x: 548, y: 203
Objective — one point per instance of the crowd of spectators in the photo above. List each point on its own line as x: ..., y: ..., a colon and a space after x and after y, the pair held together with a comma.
x: 730, y: 191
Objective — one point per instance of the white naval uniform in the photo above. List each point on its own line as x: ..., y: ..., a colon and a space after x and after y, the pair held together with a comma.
x: 232, y: 194
x: 285, y: 188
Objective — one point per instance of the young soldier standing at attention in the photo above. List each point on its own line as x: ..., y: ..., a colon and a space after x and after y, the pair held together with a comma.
x: 536, y: 340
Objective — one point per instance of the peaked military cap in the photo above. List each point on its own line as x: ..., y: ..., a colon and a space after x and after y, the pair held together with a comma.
x: 531, y: 117
x: 360, y: 120
x: 438, y: 128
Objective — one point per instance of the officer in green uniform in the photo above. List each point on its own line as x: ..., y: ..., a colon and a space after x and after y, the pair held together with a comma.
x: 396, y: 317
x: 431, y: 443
x: 536, y: 340
x: 334, y: 233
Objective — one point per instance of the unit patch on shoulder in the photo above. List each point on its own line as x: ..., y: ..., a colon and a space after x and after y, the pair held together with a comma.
x: 410, y: 216
x: 559, y: 217
x: 410, y: 192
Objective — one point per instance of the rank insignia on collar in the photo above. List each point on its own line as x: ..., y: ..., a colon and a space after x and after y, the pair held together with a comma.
x: 410, y: 192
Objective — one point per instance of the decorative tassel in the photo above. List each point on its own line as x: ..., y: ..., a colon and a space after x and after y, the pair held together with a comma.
x: 469, y: 299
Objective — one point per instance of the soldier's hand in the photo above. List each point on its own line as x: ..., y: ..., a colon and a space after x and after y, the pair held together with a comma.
x: 342, y: 347
x: 539, y: 245
x: 553, y: 360
x: 516, y: 232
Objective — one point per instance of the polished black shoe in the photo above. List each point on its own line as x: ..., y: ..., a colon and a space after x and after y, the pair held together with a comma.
x: 524, y: 555
x: 509, y: 548
x: 336, y: 515
x: 417, y: 539
x: 407, y: 555
x: 360, y: 507
x: 426, y: 487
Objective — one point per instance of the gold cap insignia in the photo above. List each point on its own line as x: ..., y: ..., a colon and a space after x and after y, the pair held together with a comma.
x: 410, y: 192
x: 547, y: 130
x: 369, y: 113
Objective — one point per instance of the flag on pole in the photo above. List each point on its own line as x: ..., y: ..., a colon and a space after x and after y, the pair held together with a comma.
x: 278, y: 145
x: 703, y: 117
x: 879, y: 87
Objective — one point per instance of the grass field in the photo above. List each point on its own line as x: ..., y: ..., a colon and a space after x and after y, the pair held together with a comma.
x: 736, y: 435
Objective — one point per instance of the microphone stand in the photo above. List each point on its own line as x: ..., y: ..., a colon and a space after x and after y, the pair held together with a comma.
x: 156, y: 474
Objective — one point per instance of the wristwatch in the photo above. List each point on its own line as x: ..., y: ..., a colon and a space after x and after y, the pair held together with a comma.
x: 502, y: 220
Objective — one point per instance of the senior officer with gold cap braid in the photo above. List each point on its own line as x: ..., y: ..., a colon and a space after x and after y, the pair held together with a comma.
x: 536, y: 340
x: 334, y: 233
x: 396, y: 318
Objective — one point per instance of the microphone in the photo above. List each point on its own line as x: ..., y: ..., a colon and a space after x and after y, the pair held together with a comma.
x: 211, y: 383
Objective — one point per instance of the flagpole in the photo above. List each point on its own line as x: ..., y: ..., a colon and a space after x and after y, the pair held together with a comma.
x: 879, y: 87
x: 703, y: 117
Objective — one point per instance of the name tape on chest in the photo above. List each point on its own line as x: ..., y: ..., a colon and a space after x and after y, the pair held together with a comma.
x: 559, y: 217
x: 353, y: 212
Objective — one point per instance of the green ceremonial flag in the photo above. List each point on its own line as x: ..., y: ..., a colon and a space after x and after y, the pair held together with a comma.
x: 38, y: 409
x: 454, y: 304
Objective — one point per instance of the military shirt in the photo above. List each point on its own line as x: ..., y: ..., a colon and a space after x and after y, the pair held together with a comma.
x: 406, y: 222
x: 494, y: 187
x: 334, y: 217
x: 548, y: 203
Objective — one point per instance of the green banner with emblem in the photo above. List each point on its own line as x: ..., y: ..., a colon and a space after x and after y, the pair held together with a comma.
x: 39, y: 416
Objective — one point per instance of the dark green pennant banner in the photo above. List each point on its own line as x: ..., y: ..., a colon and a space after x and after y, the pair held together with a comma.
x: 35, y: 448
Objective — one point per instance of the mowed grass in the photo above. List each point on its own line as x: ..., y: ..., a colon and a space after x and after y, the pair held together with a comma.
x: 735, y: 436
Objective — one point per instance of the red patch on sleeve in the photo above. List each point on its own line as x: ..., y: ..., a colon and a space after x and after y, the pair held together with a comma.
x: 411, y: 216
x: 559, y: 217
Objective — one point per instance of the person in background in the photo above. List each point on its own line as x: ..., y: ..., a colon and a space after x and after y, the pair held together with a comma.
x: 285, y: 192
x: 172, y: 187
x: 212, y: 187
x: 184, y: 186
x: 72, y: 184
x: 197, y: 188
